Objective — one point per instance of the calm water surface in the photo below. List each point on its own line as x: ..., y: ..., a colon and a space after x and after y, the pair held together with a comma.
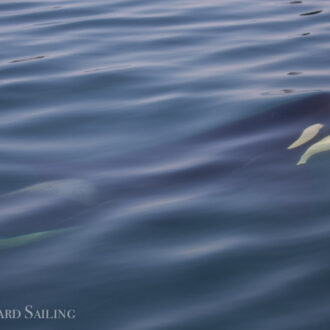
x: 136, y: 185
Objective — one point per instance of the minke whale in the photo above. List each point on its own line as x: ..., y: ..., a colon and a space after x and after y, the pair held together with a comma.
x: 255, y: 156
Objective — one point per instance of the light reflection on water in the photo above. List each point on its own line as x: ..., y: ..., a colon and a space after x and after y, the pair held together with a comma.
x: 157, y: 134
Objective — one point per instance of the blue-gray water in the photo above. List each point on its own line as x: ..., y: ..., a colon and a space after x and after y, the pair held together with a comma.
x: 126, y: 138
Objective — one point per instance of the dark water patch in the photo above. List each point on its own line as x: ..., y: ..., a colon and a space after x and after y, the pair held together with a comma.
x: 27, y: 59
x: 288, y: 91
x: 312, y: 13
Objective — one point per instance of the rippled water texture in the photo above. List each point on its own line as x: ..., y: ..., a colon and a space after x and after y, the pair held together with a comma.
x: 145, y: 175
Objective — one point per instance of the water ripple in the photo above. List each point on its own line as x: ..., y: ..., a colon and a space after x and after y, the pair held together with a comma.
x: 134, y: 125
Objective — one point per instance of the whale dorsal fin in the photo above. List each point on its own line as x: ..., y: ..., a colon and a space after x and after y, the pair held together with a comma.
x: 307, y: 134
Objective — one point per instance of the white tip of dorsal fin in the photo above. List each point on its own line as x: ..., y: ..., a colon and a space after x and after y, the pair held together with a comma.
x: 307, y: 134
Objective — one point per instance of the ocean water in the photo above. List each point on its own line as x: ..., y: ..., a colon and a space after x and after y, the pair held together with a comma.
x: 145, y: 178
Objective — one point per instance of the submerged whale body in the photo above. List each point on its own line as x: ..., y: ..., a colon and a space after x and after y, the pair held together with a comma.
x: 270, y: 132
x: 268, y: 137
x: 249, y: 156
x: 256, y: 140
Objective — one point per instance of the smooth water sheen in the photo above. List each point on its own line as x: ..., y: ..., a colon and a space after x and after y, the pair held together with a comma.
x: 118, y: 197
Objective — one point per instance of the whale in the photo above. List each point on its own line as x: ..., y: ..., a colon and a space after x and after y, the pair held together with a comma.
x: 255, y: 157
x: 247, y: 160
